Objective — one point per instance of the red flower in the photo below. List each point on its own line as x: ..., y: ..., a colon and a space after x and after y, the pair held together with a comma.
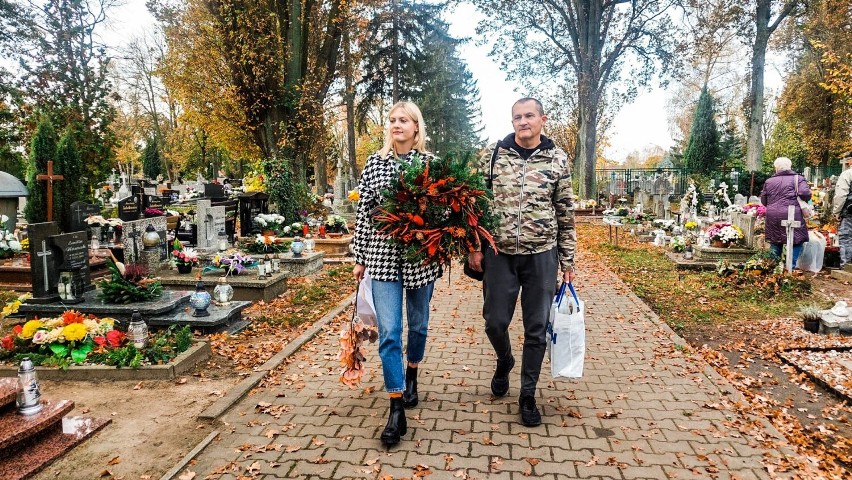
x: 114, y: 338
x: 18, y: 329
x: 100, y: 340
x: 8, y: 342
x: 72, y: 316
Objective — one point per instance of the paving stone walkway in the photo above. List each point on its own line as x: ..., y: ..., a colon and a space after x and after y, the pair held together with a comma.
x: 643, y: 409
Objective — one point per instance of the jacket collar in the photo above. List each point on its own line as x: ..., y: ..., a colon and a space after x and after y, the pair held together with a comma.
x: 546, y: 146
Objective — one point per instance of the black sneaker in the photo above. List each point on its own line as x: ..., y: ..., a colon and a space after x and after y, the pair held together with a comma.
x: 500, y: 381
x: 530, y: 416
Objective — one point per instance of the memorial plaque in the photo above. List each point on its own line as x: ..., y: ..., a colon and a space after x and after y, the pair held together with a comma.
x: 129, y: 209
x: 80, y: 211
x: 150, y: 190
x: 42, y: 263
x: 230, y: 216
x: 72, y: 254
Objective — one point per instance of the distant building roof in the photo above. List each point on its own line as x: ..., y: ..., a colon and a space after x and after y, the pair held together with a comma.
x: 11, y: 187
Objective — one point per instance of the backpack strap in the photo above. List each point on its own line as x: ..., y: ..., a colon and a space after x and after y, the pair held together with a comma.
x: 490, y: 182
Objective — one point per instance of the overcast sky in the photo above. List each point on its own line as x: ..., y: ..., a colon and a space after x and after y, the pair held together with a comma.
x: 637, y: 125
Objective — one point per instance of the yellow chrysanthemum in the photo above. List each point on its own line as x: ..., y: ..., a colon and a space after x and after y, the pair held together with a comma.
x: 30, y: 328
x: 74, y: 332
x: 354, y: 196
x: 10, y: 308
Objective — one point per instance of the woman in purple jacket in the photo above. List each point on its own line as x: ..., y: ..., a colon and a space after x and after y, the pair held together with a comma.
x: 779, y: 192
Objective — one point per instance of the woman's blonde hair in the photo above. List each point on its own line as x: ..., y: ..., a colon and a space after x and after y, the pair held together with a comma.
x: 413, y: 112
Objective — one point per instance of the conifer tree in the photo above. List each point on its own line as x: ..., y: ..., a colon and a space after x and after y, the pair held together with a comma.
x: 702, y: 151
x: 151, y: 164
x: 42, y: 149
x: 69, y: 164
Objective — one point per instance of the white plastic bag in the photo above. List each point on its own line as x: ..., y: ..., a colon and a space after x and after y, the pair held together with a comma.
x: 364, y: 302
x: 567, y: 335
x: 813, y: 251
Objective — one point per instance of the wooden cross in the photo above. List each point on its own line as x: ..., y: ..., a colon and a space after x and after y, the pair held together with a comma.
x: 790, y: 225
x: 50, y: 177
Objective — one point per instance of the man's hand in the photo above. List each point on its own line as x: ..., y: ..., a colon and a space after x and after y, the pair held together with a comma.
x: 358, y: 271
x: 569, y: 275
x: 475, y: 261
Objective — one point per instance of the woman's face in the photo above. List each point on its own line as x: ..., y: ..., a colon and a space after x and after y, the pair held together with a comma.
x: 402, y: 128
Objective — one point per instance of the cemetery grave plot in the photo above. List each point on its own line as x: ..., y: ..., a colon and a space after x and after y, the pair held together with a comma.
x: 831, y: 368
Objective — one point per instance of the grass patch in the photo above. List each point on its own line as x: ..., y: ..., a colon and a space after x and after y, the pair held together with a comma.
x: 687, y: 299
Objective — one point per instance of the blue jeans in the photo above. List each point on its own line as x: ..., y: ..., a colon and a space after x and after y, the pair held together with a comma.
x: 387, y: 297
x: 777, y: 247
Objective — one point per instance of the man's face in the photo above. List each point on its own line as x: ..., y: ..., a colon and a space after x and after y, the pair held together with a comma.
x: 527, y: 122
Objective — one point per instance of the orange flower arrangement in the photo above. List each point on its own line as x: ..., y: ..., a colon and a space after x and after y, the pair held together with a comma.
x: 72, y: 316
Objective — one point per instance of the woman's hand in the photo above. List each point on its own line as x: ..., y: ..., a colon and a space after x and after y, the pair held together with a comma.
x: 358, y: 271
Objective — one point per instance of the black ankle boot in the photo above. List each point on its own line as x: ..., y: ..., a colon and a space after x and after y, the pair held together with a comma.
x: 409, y: 396
x: 396, y: 426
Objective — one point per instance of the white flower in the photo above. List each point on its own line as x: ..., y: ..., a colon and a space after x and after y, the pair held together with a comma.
x: 40, y: 337
x: 15, y: 245
x: 9, y: 237
x: 92, y: 326
x: 4, y: 245
x: 4, y: 218
x: 260, y: 221
x: 287, y: 229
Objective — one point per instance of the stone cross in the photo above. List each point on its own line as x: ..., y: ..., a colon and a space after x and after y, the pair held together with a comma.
x: 50, y: 178
x: 43, y: 254
x: 790, y: 225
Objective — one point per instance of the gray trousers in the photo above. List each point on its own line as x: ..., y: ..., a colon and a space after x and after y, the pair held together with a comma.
x: 534, y: 277
x: 844, y: 234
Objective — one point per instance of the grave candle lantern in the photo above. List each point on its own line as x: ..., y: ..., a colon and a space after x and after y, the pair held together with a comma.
x: 137, y: 331
x: 276, y: 263
x: 223, y: 241
x: 28, y: 401
x: 223, y: 293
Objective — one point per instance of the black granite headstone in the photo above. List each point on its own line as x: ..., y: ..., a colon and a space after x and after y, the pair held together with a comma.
x: 214, y: 190
x: 154, y: 201
x: 251, y: 205
x: 80, y: 211
x: 42, y: 262
x: 129, y: 209
x: 72, y: 255
x: 174, y: 195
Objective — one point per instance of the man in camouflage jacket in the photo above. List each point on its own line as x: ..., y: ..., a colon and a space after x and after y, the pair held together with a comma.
x: 531, y: 182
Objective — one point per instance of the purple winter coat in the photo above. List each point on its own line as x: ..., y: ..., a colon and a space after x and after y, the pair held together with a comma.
x: 779, y: 192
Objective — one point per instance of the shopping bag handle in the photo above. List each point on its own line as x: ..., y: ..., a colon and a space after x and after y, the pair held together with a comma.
x: 573, y: 293
x: 560, y: 294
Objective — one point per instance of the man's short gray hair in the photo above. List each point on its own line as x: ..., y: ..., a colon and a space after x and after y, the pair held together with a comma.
x: 782, y: 163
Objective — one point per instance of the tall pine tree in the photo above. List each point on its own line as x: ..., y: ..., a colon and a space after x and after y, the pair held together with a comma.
x: 702, y: 151
x: 69, y: 164
x: 151, y: 164
x: 409, y: 54
x: 42, y: 150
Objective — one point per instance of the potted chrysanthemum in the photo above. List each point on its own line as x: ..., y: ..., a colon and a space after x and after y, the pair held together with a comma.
x: 185, y: 258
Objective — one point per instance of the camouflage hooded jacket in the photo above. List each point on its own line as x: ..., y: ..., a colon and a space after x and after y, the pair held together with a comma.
x: 533, y: 200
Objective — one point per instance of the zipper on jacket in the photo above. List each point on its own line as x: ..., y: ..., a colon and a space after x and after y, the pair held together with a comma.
x: 521, y: 201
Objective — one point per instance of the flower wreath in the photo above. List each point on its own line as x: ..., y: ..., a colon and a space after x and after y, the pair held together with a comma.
x: 437, y: 210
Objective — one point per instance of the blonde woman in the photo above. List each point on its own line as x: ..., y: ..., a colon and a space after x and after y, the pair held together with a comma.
x: 392, y: 276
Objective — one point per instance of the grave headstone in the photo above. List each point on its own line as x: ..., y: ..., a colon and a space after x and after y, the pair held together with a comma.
x: 129, y: 209
x: 662, y: 188
x: 740, y: 199
x: 172, y: 195
x: 80, y: 211
x: 214, y: 190
x: 753, y: 199
x: 747, y: 224
x: 230, y: 216
x: 150, y: 190
x: 154, y: 201
x: 72, y: 255
x: 42, y: 263
x: 133, y: 232
x: 211, y: 221
x: 251, y: 205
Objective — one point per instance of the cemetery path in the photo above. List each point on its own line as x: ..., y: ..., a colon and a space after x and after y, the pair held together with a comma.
x: 645, y: 408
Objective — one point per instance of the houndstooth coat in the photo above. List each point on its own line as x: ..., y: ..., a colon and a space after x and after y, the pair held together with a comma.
x: 383, y: 260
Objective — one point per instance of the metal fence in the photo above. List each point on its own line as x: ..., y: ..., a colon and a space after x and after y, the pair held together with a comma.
x: 626, y: 181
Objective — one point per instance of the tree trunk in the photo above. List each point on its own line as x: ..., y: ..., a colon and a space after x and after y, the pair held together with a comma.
x: 349, y: 95
x: 587, y: 134
x: 395, y: 52
x: 754, y: 149
x: 320, y: 174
